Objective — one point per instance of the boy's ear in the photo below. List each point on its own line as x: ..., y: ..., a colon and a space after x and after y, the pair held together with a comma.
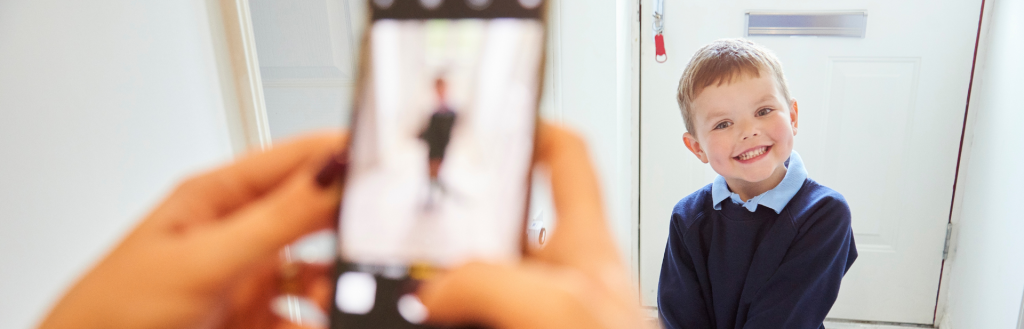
x: 794, y: 115
x: 694, y: 146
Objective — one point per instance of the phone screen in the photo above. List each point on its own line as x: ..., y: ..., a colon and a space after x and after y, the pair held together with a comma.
x: 441, y: 150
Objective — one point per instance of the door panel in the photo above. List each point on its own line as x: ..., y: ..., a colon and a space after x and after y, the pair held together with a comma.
x: 880, y: 122
x: 307, y: 51
x: 893, y: 85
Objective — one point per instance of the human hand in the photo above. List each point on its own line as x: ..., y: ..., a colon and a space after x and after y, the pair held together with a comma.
x: 577, y: 281
x: 208, y: 255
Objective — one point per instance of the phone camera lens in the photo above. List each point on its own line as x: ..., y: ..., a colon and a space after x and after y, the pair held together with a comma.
x: 431, y: 4
x: 478, y: 4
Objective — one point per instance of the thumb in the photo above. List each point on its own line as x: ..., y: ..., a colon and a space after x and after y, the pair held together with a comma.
x: 505, y: 296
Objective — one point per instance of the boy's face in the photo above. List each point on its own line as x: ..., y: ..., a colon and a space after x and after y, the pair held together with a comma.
x: 744, y: 129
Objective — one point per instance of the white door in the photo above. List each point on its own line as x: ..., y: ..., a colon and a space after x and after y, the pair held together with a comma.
x: 880, y: 122
x: 307, y: 53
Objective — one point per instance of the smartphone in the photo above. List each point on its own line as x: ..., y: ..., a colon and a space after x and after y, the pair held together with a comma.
x: 444, y: 127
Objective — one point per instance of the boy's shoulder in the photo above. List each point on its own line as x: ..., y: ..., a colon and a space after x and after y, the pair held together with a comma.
x: 815, y: 202
x: 813, y: 193
x: 691, y: 207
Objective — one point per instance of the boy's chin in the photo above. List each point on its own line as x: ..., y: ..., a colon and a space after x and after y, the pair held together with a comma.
x: 748, y: 179
x: 755, y: 176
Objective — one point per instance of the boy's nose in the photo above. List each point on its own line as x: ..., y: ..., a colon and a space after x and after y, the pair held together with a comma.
x: 749, y: 135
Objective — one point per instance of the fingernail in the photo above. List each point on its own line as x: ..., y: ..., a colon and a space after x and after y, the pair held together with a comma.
x: 333, y: 170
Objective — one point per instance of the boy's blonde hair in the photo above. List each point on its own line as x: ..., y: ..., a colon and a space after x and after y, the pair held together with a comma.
x: 720, y: 62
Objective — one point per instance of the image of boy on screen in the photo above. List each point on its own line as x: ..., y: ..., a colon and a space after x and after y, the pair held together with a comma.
x: 423, y: 186
x: 764, y: 245
x: 437, y: 135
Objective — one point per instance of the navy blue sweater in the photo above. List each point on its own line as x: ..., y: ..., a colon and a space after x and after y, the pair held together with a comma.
x: 732, y: 268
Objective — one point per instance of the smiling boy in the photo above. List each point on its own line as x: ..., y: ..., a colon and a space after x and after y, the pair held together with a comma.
x: 763, y: 246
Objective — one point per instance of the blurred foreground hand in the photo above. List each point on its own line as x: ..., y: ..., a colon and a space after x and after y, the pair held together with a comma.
x: 577, y: 281
x: 208, y: 255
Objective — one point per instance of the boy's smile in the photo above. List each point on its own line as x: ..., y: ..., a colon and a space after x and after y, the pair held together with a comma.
x: 753, y: 154
x: 744, y: 129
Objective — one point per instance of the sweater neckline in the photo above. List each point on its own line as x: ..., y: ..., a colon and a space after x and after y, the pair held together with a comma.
x: 736, y: 212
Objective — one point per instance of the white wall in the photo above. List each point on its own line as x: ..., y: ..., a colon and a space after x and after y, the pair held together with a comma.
x: 103, y: 106
x: 592, y: 57
x: 987, y: 272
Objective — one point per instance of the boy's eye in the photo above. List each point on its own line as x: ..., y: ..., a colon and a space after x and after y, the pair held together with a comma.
x: 723, y: 125
x: 764, y: 111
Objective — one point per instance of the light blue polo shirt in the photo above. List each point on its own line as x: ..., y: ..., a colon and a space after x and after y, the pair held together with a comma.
x: 775, y: 198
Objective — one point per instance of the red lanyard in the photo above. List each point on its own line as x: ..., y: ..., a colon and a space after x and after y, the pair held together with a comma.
x: 658, y: 26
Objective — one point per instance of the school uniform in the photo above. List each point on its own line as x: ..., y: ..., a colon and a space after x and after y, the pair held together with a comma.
x: 438, y: 132
x: 774, y: 261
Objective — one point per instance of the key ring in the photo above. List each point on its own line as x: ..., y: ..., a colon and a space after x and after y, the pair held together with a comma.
x: 657, y: 25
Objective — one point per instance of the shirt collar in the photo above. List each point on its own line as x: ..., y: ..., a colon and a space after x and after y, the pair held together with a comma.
x: 775, y: 198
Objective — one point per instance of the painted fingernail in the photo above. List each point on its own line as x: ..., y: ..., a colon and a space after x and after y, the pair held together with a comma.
x: 333, y: 170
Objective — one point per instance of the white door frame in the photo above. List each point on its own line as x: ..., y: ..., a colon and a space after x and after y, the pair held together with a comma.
x: 966, y: 143
x: 627, y: 22
x: 239, y: 72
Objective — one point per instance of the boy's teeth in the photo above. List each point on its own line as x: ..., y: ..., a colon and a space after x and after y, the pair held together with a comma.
x: 753, y: 153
